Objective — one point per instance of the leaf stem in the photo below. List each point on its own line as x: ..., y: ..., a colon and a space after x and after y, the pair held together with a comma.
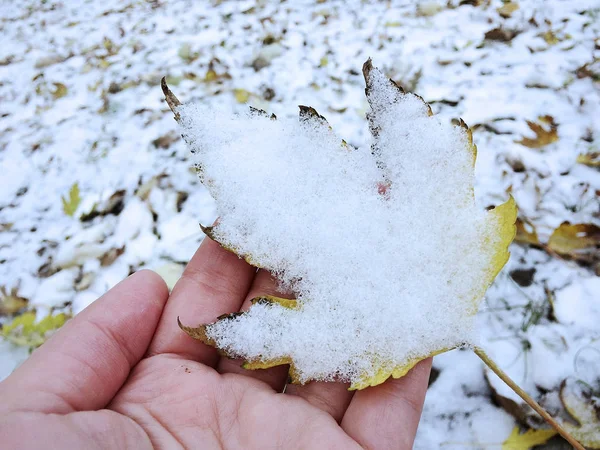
x: 525, y: 396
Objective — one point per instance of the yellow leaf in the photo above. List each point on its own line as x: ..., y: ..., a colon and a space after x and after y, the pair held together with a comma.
x: 527, y: 440
x: 543, y: 135
x: 550, y: 37
x: 10, y: 301
x: 24, y: 331
x: 507, y: 9
x: 591, y: 159
x: 60, y: 90
x: 579, y: 241
x: 241, y: 95
x: 71, y: 204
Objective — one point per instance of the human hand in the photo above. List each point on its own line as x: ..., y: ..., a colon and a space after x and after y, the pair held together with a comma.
x: 122, y: 374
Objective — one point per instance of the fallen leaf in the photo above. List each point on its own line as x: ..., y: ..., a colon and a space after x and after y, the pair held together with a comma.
x: 501, y: 34
x: 507, y: 9
x: 71, y: 204
x: 584, y: 407
x: 166, y: 140
x: 527, y: 440
x: 60, y: 90
x: 549, y: 37
x: 10, y: 301
x: 526, y: 233
x: 578, y: 241
x: 241, y: 95
x: 24, y: 331
x: 546, y: 132
x: 591, y: 159
x: 111, y: 255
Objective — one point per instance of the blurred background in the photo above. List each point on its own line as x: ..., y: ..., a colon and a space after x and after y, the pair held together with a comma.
x: 96, y: 183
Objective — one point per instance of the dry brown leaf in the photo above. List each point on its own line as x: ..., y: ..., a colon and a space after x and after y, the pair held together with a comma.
x: 546, y: 132
x: 526, y: 233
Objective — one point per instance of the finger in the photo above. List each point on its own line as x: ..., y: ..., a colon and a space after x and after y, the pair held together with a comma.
x: 387, y: 416
x: 86, y: 362
x: 215, y: 282
x: 333, y: 398
x: 264, y: 284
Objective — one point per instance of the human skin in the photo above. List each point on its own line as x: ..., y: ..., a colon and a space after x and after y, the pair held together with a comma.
x: 121, y: 374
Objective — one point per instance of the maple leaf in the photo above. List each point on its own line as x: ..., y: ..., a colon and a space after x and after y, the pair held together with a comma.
x: 71, y: 204
x: 546, y: 132
x: 527, y: 440
x: 291, y: 199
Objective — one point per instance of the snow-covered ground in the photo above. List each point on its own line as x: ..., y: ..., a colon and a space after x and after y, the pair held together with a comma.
x: 80, y: 103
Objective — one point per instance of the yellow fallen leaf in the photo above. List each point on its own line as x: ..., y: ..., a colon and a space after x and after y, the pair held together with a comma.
x: 60, y: 90
x: 10, y: 301
x: 591, y: 159
x: 241, y: 95
x: 543, y: 135
x: 507, y: 9
x: 24, y: 331
x: 71, y: 203
x: 576, y: 241
x: 527, y: 440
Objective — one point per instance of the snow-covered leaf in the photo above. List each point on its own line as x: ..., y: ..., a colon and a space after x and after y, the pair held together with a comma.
x: 290, y: 198
x: 584, y: 407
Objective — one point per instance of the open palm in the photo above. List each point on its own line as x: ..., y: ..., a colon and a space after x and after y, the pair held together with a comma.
x: 122, y: 375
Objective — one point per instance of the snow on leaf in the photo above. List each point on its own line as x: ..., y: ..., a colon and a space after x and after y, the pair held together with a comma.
x: 71, y: 203
x: 527, y: 440
x: 25, y: 331
x: 546, y: 132
x: 585, y: 409
x: 383, y: 278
